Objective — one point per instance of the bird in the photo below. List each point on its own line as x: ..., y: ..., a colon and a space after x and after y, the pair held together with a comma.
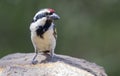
x: 43, y: 32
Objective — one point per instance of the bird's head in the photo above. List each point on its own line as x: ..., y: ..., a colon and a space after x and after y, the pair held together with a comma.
x: 46, y: 14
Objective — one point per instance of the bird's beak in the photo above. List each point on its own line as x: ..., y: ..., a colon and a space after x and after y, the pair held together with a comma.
x: 54, y: 16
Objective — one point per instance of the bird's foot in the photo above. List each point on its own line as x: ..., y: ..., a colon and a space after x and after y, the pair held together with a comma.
x: 34, y: 62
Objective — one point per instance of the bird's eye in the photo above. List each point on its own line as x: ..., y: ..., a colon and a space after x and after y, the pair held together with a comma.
x: 46, y: 13
x: 50, y: 13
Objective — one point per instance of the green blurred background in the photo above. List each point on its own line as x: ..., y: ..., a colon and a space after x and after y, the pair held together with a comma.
x: 88, y: 29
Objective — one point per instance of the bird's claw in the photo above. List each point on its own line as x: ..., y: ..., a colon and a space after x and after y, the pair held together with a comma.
x: 34, y: 62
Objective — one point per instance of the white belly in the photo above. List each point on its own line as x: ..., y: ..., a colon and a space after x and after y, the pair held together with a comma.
x: 48, y: 42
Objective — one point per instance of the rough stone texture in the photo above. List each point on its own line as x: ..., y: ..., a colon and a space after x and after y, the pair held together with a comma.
x: 19, y: 64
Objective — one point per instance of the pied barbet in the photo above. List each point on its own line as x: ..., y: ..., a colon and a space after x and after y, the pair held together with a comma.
x: 43, y: 32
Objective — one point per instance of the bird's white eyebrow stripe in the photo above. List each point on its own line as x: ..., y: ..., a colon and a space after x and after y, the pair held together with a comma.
x: 38, y: 17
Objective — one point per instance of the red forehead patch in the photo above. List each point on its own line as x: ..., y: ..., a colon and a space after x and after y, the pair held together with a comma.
x: 51, y: 10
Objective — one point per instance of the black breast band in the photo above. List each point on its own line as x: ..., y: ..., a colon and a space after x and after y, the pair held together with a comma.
x: 42, y: 29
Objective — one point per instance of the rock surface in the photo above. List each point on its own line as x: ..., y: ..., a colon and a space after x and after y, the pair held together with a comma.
x: 19, y: 64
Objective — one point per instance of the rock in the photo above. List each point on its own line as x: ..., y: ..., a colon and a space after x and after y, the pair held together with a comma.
x: 19, y: 64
